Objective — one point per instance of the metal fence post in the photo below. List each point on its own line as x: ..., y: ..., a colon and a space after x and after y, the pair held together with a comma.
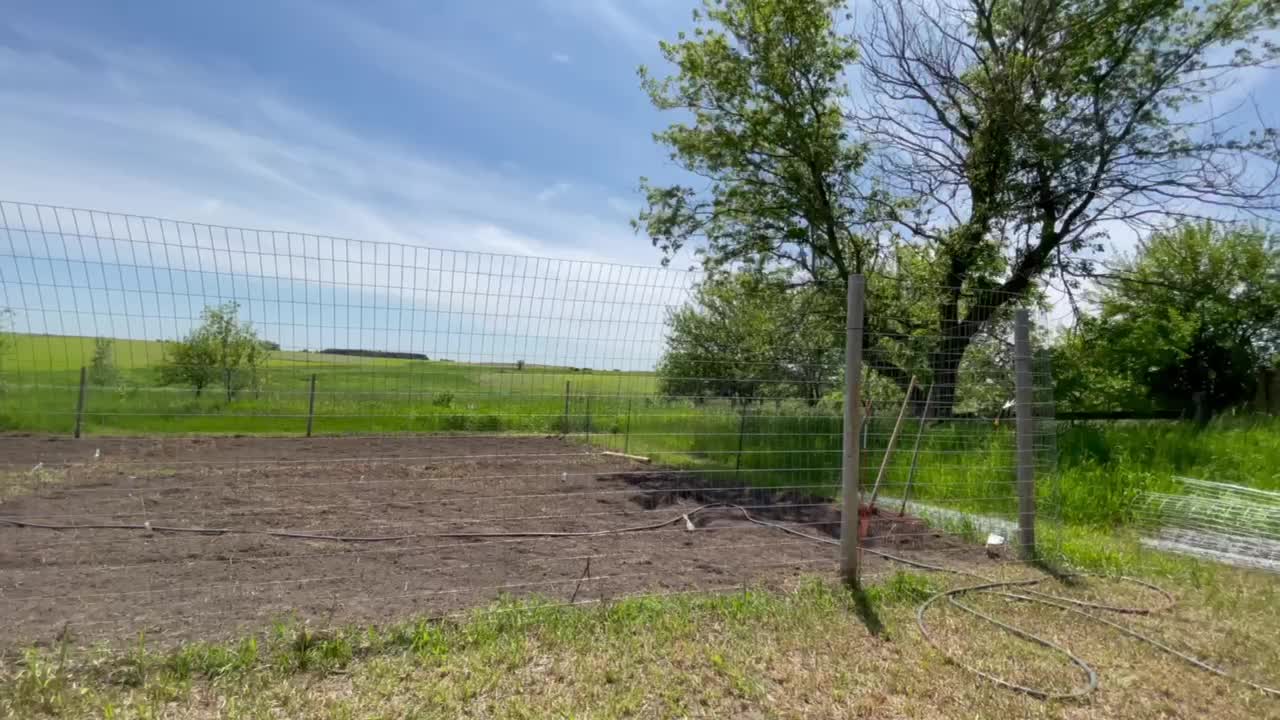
x: 1026, y: 428
x: 84, y: 380
x: 626, y: 439
x: 311, y: 405
x: 742, y: 428
x: 849, y: 469
x: 566, y: 407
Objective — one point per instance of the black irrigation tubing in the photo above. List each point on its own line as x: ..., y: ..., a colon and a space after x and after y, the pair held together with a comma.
x: 997, y: 587
x: 1078, y: 607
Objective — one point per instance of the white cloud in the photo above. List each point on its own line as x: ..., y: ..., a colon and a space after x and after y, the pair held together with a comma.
x: 182, y: 142
x: 626, y: 208
x: 554, y: 191
x: 615, y: 18
x: 128, y: 132
x: 562, y: 58
x: 402, y: 54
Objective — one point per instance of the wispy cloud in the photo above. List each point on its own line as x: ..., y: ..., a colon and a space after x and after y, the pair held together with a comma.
x: 620, y: 206
x: 403, y: 54
x: 554, y: 191
x: 562, y: 58
x: 614, y: 18
x: 147, y: 135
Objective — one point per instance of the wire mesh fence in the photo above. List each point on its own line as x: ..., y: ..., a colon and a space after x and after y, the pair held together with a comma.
x: 210, y: 427
x: 1227, y: 523
x: 941, y: 420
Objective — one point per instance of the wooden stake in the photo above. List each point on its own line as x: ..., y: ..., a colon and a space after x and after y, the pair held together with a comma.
x: 915, y: 454
x: 893, y: 441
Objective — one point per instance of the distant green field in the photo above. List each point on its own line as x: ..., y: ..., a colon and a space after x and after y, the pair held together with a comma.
x: 353, y: 394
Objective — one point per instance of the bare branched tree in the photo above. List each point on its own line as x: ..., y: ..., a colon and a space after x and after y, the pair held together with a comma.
x: 1013, y: 135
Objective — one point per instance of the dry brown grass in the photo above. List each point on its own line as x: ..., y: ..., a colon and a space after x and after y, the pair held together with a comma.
x: 816, y: 652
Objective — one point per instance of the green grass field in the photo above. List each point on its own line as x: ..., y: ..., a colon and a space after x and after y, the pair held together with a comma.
x: 967, y: 465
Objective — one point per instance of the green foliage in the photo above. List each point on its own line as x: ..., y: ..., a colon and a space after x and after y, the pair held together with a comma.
x: 1103, y: 467
x: 751, y: 337
x: 102, y: 367
x: 1197, y: 310
x: 760, y: 84
x: 221, y: 351
x: 1004, y: 139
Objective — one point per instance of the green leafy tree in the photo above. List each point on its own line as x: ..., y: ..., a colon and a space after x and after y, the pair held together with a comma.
x: 762, y: 86
x: 1197, y: 310
x: 220, y: 351
x: 1083, y: 381
x: 749, y: 337
x: 102, y: 367
x: 996, y: 140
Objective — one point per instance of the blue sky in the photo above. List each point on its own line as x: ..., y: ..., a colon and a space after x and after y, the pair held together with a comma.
x: 502, y: 126
x: 515, y: 128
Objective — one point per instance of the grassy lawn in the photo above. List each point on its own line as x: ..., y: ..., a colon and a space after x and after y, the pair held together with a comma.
x: 815, y: 651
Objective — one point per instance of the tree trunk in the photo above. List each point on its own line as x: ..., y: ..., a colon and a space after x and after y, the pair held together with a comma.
x: 944, y: 365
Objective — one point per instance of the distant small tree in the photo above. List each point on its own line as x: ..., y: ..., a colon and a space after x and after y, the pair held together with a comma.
x: 519, y: 364
x: 102, y: 368
x: 221, y: 350
x: 750, y: 336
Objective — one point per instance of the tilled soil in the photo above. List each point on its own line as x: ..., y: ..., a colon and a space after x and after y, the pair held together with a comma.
x: 114, y: 583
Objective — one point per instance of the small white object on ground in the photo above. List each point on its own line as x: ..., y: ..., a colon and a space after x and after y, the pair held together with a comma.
x: 36, y: 469
x: 994, y: 544
x: 637, y: 458
x: 97, y: 453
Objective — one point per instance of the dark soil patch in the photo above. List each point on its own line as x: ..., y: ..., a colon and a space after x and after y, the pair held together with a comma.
x: 114, y: 584
x: 813, y: 514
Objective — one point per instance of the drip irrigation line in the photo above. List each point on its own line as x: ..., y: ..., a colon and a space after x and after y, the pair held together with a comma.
x: 355, y: 538
x: 1078, y: 607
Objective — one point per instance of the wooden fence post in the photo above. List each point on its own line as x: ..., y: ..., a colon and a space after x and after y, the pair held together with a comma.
x: 1026, y: 430
x: 851, y: 500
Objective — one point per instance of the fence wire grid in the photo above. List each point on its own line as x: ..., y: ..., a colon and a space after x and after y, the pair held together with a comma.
x: 206, y: 428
